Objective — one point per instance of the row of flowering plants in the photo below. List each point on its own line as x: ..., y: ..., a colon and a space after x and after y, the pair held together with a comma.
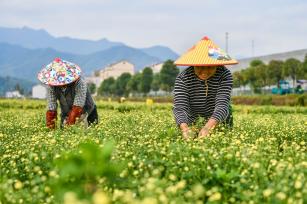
x: 136, y: 155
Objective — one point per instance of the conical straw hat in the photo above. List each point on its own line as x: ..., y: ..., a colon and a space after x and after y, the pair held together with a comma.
x: 205, y: 53
x: 59, y: 72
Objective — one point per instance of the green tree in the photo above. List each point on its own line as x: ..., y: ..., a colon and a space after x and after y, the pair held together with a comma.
x: 303, y: 69
x: 275, y: 71
x: 168, y: 75
x: 245, y: 79
x: 253, y: 76
x: 107, y: 87
x: 92, y: 87
x: 121, y: 84
x: 19, y: 89
x: 237, y: 79
x: 291, y: 68
x: 261, y: 75
x: 147, y: 78
x: 155, y: 84
x: 256, y: 63
x: 134, y: 84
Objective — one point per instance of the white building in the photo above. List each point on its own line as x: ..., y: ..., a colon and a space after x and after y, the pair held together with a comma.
x: 116, y: 69
x: 39, y: 91
x: 13, y: 94
x: 112, y: 70
x: 94, y: 79
x: 156, y: 68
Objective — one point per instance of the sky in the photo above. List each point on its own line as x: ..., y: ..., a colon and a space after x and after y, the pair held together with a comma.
x: 273, y: 26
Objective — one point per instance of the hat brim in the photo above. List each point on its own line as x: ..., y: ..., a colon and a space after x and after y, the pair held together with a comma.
x: 205, y: 65
x: 59, y: 73
x: 205, y: 53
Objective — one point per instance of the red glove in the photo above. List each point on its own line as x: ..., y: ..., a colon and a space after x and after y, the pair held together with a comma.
x: 75, y: 113
x: 51, y: 117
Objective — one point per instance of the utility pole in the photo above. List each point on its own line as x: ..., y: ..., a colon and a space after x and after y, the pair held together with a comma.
x: 226, y: 39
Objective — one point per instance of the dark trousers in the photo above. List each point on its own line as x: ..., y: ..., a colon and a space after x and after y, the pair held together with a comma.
x: 93, y: 117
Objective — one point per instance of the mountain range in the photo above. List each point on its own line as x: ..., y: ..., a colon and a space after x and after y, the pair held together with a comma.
x: 24, y: 51
x: 10, y: 83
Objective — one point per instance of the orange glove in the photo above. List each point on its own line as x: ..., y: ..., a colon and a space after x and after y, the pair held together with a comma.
x: 51, y: 117
x: 75, y: 113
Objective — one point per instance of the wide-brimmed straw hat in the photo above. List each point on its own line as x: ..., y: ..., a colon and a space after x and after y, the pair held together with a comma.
x: 205, y: 53
x: 59, y: 72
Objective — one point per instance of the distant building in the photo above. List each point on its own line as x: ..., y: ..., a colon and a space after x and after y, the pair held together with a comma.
x: 156, y: 68
x: 13, y: 94
x: 94, y: 79
x: 116, y: 69
x: 244, y: 63
x: 39, y: 91
x: 112, y: 70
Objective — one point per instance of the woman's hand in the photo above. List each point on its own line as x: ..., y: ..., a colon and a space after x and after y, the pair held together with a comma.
x: 51, y: 117
x: 75, y: 113
x: 187, y: 133
x: 204, y: 132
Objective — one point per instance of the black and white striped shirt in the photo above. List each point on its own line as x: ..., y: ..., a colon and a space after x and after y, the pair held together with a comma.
x: 191, y: 100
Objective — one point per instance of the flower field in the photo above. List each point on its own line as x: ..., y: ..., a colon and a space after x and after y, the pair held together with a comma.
x: 136, y: 155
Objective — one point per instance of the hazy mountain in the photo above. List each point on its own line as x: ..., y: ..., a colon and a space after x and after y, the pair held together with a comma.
x: 161, y: 52
x: 24, y: 63
x: 24, y: 51
x: 9, y: 84
x: 30, y: 38
x: 34, y: 39
x: 114, y: 54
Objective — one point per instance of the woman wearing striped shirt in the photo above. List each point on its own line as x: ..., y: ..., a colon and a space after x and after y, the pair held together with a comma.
x: 203, y: 89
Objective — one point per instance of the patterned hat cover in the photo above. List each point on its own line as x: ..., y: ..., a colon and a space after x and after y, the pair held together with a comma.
x: 59, y: 72
x: 205, y: 53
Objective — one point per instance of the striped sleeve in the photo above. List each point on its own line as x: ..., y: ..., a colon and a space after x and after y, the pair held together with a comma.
x: 181, y: 102
x: 51, y: 99
x: 222, y: 101
x: 81, y: 89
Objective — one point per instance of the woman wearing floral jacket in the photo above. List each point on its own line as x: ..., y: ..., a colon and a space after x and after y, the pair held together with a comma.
x: 65, y: 85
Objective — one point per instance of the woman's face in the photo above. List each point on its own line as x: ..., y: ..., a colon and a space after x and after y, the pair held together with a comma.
x: 203, y: 72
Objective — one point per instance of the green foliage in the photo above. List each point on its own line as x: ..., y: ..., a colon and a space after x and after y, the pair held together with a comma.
x: 134, y: 85
x: 275, y: 72
x: 238, y: 79
x: 92, y: 87
x: 277, y: 100
x: 258, y: 74
x: 140, y: 83
x: 155, y: 85
x: 256, y: 63
x: 19, y: 89
x: 84, y: 170
x: 291, y: 68
x: 121, y: 84
x: 261, y: 160
x: 107, y: 87
x: 304, y: 68
x: 147, y: 78
x: 168, y: 75
x: 9, y: 84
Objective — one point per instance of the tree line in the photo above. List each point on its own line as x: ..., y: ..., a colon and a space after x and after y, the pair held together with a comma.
x: 140, y: 83
x: 259, y: 74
